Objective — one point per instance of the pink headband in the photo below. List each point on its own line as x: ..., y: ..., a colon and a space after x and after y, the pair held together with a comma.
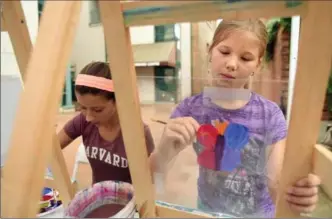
x: 94, y: 81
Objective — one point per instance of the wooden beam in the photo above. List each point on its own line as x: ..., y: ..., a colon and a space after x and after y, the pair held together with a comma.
x: 62, y: 180
x: 21, y: 41
x: 166, y: 212
x: 60, y: 173
x: 322, y: 167
x: 22, y: 45
x: 125, y: 83
x: 313, y: 70
x: 16, y: 26
x: 134, y: 5
x: 33, y: 130
x: 3, y: 26
x: 155, y: 13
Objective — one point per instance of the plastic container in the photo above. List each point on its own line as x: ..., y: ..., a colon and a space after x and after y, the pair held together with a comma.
x: 100, y: 194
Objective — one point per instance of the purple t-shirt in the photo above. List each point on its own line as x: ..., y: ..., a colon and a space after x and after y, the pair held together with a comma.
x: 241, y: 190
x: 108, y: 160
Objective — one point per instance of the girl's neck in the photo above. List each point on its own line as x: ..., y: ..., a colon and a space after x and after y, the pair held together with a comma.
x: 232, y: 105
x: 228, y: 98
x: 113, y: 123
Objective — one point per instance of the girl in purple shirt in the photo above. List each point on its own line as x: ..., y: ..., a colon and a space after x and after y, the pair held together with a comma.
x: 235, y: 175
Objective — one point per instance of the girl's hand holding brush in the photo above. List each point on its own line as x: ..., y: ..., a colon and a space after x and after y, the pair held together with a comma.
x: 178, y: 133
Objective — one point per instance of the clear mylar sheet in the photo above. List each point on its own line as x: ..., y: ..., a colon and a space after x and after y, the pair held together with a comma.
x: 228, y: 170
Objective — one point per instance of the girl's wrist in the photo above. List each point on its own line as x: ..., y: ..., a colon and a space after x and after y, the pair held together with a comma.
x: 163, y: 157
x: 160, y: 158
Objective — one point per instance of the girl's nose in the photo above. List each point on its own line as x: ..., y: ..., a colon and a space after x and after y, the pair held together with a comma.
x: 230, y: 68
x: 231, y: 64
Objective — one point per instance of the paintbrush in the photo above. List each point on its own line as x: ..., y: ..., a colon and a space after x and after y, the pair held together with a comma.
x: 159, y: 121
x: 177, y: 144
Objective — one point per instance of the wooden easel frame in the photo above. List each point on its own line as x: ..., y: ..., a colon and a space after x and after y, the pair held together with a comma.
x: 13, y: 21
x: 46, y: 73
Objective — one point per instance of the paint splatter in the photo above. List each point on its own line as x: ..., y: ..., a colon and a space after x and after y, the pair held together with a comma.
x: 236, y: 136
x: 207, y: 136
x: 231, y: 160
x: 219, y: 148
x: 221, y: 127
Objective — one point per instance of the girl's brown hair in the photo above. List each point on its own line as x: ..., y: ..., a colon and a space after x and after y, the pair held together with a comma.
x: 255, y: 26
x: 98, y: 69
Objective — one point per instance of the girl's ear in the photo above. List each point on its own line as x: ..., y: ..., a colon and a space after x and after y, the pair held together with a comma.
x: 260, y: 64
x: 260, y: 61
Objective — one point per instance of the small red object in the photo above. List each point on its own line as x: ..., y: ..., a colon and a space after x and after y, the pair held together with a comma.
x: 207, y: 159
x: 207, y: 136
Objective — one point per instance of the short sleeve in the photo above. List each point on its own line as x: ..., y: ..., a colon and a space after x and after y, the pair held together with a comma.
x: 75, y: 127
x: 149, y: 140
x: 278, y: 126
x: 182, y: 109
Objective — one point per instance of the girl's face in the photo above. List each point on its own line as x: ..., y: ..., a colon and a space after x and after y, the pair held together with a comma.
x: 96, y: 108
x: 235, y: 59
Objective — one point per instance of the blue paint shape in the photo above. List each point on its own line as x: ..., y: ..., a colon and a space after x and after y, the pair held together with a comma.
x: 236, y: 136
x: 231, y: 160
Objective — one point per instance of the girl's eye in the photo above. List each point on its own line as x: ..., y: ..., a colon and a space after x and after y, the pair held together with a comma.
x: 98, y: 111
x: 246, y: 59
x: 224, y: 52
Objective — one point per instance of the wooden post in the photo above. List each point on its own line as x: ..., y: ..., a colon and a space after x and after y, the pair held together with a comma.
x: 34, y: 130
x: 29, y: 152
x: 60, y: 173
x: 15, y: 23
x: 124, y: 77
x: 313, y: 70
x: 21, y: 41
x: 3, y: 26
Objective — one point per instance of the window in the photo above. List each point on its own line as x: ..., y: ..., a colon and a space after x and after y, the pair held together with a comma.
x: 165, y: 84
x: 94, y: 12
x: 40, y: 7
x: 165, y: 33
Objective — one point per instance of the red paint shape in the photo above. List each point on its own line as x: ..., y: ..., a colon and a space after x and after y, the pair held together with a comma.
x: 207, y: 136
x: 207, y: 159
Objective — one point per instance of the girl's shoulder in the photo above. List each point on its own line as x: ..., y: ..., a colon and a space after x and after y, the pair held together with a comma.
x: 199, y: 100
x: 257, y: 105
x: 188, y: 105
x: 85, y: 126
x: 267, y: 107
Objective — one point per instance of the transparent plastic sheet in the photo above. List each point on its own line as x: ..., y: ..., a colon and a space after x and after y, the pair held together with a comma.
x: 226, y: 171
x: 159, y: 98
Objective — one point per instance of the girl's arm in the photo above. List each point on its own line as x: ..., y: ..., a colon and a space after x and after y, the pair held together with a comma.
x: 64, y: 139
x: 72, y: 129
x: 275, y: 156
x: 302, y: 195
x: 155, y: 158
x: 276, y: 133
